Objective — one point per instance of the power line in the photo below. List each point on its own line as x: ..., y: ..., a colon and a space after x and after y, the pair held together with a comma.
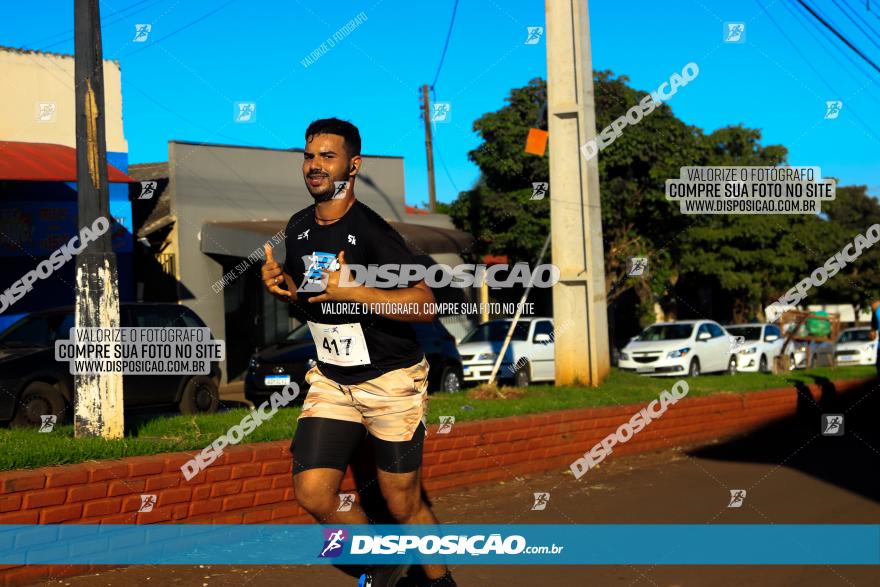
x: 445, y: 45
x: 823, y: 37
x: 214, y: 133
x: 445, y: 169
x: 858, y: 26
x: 117, y: 16
x: 862, y: 19
x: 838, y: 35
x: 810, y: 64
x: 183, y: 28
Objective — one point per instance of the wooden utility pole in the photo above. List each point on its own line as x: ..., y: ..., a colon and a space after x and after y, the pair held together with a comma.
x: 579, y: 301
x: 429, y: 149
x: 97, y: 397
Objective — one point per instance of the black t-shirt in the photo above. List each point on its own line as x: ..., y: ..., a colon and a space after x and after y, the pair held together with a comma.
x: 367, y: 239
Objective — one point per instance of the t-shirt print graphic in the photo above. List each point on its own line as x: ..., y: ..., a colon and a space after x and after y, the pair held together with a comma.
x: 314, y: 280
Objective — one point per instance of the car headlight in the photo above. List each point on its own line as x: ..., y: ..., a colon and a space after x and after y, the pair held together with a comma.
x: 869, y: 348
x: 253, y: 363
x: 679, y: 353
x: 487, y: 356
x: 624, y: 356
x: 750, y: 351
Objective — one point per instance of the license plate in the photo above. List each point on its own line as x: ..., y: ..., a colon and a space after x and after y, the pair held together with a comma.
x: 644, y: 369
x: 273, y: 380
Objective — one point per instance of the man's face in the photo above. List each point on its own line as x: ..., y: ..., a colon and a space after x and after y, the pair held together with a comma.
x: 326, y: 161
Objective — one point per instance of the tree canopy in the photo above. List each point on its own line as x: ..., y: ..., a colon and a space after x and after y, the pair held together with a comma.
x: 754, y: 258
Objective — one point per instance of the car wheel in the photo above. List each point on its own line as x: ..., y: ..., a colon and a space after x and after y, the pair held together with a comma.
x: 731, y: 366
x: 451, y: 380
x: 521, y: 377
x: 39, y: 399
x: 200, y: 396
x: 694, y: 368
x: 762, y: 365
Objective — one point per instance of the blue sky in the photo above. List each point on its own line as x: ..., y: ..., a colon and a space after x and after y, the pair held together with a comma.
x: 184, y: 86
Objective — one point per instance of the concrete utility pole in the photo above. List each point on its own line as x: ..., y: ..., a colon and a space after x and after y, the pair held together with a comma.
x: 98, y: 398
x: 579, y: 302
x: 429, y: 149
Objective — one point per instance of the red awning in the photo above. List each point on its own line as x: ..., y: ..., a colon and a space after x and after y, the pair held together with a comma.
x: 44, y: 162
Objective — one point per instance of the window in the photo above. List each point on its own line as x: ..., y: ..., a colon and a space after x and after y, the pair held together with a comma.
x: 163, y: 317
x: 855, y: 336
x: 747, y: 332
x: 301, y: 332
x: 496, y: 331
x: 666, y: 332
x: 715, y: 330
x: 41, y: 330
x: 544, y: 327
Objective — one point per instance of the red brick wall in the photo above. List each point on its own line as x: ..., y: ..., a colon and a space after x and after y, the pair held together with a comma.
x: 252, y: 484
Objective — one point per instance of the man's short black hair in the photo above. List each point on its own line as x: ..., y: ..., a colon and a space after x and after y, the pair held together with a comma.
x: 342, y: 128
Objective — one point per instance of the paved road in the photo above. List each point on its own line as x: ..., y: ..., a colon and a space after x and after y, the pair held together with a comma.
x: 792, y: 475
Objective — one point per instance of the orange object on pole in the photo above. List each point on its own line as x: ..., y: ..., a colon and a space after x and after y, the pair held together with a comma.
x: 536, y: 142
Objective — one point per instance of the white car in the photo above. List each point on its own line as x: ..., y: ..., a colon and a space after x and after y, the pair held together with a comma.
x: 855, y: 347
x: 757, y: 346
x: 685, y: 347
x: 802, y: 351
x: 529, y: 355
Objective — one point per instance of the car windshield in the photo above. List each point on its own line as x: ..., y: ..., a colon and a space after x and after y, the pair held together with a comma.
x: 40, y: 330
x: 747, y: 332
x: 301, y: 332
x: 855, y: 336
x: 666, y: 332
x: 496, y: 331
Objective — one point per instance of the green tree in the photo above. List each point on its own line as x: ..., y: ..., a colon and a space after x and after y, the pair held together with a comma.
x: 754, y: 258
x: 853, y: 211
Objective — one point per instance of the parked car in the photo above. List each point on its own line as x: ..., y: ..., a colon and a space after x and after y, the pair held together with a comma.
x: 288, y: 361
x: 685, y: 347
x: 529, y: 356
x: 762, y: 343
x: 36, y: 384
x: 855, y: 347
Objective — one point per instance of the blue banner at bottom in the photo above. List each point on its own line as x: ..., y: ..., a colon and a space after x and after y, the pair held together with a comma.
x: 454, y: 544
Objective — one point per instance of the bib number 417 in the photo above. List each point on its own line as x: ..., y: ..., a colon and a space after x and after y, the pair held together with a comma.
x: 342, y: 347
x: 340, y: 344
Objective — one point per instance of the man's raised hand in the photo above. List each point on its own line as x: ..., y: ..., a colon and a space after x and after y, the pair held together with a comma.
x: 273, y: 275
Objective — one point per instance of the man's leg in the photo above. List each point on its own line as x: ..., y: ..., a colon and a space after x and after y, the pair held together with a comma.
x: 399, y: 474
x: 317, y: 491
x: 322, y: 448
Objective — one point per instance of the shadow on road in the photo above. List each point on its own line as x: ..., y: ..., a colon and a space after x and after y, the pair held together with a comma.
x: 849, y: 461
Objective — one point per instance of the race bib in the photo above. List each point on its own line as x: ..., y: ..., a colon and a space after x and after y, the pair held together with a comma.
x: 340, y: 344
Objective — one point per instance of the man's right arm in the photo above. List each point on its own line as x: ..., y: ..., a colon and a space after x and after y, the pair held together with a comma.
x: 273, y: 275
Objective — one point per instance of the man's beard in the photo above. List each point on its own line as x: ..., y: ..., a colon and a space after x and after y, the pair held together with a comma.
x: 328, y: 193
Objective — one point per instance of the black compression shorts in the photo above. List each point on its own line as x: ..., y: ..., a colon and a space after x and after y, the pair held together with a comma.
x: 328, y: 443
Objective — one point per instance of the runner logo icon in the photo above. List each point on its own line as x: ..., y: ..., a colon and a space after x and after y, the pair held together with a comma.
x: 333, y: 541
x: 47, y: 422
x: 832, y: 424
x: 541, y: 500
x: 737, y: 498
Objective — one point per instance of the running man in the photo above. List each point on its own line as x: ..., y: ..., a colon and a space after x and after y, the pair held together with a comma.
x: 371, y: 375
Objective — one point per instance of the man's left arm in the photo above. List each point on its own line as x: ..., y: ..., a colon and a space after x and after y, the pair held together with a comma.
x: 406, y: 304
